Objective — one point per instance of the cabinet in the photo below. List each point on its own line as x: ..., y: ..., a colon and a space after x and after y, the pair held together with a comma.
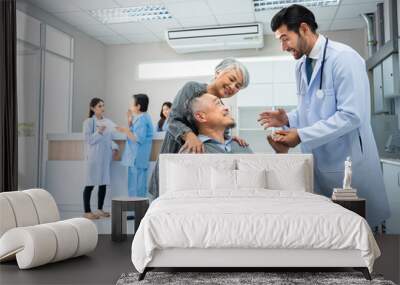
x: 381, y: 104
x: 391, y: 176
x: 28, y: 29
x: 390, y: 75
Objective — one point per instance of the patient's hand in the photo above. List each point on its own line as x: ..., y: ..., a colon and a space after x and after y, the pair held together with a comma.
x: 240, y: 141
x: 287, y: 137
x: 278, y: 147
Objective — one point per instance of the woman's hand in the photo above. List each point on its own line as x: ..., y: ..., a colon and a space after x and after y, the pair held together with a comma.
x: 192, y: 144
x: 124, y: 130
x: 129, y: 115
x: 240, y: 141
x: 115, y: 154
x: 131, y: 136
x: 276, y: 118
x: 101, y: 129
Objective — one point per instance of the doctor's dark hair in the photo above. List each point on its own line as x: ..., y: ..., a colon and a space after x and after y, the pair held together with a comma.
x: 93, y: 103
x: 292, y: 17
x: 142, y: 100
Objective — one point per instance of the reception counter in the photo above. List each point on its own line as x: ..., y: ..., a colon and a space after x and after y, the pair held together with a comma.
x: 65, y: 174
x: 71, y: 146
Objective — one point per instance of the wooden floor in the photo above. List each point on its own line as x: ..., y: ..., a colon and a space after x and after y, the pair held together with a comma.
x: 110, y: 260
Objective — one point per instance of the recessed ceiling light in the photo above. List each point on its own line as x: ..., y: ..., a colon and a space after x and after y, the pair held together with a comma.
x: 131, y: 14
x: 261, y: 5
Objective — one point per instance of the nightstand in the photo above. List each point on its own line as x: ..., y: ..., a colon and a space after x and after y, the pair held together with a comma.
x: 119, y: 207
x: 356, y: 205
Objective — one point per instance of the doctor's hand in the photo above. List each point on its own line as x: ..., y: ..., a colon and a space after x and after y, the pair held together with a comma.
x: 289, y: 137
x: 192, y: 144
x: 277, y: 118
x: 278, y: 147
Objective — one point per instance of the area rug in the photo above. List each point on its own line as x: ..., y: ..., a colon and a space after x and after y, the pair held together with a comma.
x: 244, y: 278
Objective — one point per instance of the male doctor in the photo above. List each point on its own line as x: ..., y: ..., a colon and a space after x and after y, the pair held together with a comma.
x: 332, y: 119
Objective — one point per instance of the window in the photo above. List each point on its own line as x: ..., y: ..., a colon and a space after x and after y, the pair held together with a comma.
x: 192, y: 68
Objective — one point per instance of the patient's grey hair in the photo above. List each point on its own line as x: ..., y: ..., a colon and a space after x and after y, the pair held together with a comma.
x: 231, y: 63
x: 192, y: 106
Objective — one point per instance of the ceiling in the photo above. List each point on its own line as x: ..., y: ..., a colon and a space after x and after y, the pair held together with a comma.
x: 191, y: 13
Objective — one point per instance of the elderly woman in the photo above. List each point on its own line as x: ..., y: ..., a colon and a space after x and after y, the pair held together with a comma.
x: 230, y: 77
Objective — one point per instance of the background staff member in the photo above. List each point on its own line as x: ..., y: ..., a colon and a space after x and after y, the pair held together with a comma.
x: 332, y: 119
x: 162, y: 124
x: 138, y: 145
x: 98, y: 154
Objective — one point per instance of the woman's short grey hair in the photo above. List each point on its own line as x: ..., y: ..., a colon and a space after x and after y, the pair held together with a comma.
x: 231, y: 63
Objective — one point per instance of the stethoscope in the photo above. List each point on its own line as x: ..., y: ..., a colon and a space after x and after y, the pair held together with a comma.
x: 320, y: 94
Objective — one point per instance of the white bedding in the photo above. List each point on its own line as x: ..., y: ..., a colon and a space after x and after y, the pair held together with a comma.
x: 252, y: 218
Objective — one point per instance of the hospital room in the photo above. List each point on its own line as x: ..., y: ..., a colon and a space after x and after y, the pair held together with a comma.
x: 199, y: 142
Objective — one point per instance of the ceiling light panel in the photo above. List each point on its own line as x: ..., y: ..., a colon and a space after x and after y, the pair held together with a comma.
x: 131, y: 14
x: 262, y: 5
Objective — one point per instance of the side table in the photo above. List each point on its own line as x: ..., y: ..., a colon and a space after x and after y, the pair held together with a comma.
x: 119, y: 207
x: 355, y: 205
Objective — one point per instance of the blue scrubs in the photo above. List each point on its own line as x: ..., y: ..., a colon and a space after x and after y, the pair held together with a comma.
x: 137, y: 155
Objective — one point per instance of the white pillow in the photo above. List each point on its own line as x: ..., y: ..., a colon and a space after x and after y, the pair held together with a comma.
x: 223, y: 179
x: 184, y: 176
x: 236, y: 179
x: 282, y: 174
x: 251, y: 178
x: 291, y: 180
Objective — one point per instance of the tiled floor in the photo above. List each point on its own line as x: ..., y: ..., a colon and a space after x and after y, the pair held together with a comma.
x: 110, y: 260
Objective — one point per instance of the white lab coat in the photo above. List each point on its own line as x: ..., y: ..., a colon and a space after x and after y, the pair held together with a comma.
x: 337, y: 125
x: 98, y: 151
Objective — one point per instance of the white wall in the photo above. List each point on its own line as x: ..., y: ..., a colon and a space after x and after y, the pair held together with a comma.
x: 89, y: 78
x: 122, y: 70
x: 89, y: 64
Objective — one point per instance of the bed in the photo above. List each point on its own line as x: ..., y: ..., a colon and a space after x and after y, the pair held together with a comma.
x: 247, y: 210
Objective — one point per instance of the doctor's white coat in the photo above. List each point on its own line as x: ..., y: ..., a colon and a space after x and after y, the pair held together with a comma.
x: 337, y: 125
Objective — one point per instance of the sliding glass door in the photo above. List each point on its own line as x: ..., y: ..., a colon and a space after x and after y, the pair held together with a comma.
x: 28, y: 93
x: 44, y: 91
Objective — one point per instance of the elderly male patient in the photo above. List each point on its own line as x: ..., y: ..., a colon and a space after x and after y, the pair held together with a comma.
x: 212, y: 118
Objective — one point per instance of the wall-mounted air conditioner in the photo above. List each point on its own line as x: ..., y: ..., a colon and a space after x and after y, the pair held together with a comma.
x: 244, y: 36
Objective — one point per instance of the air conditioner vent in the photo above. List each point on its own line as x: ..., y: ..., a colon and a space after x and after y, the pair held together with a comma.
x: 244, y: 36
